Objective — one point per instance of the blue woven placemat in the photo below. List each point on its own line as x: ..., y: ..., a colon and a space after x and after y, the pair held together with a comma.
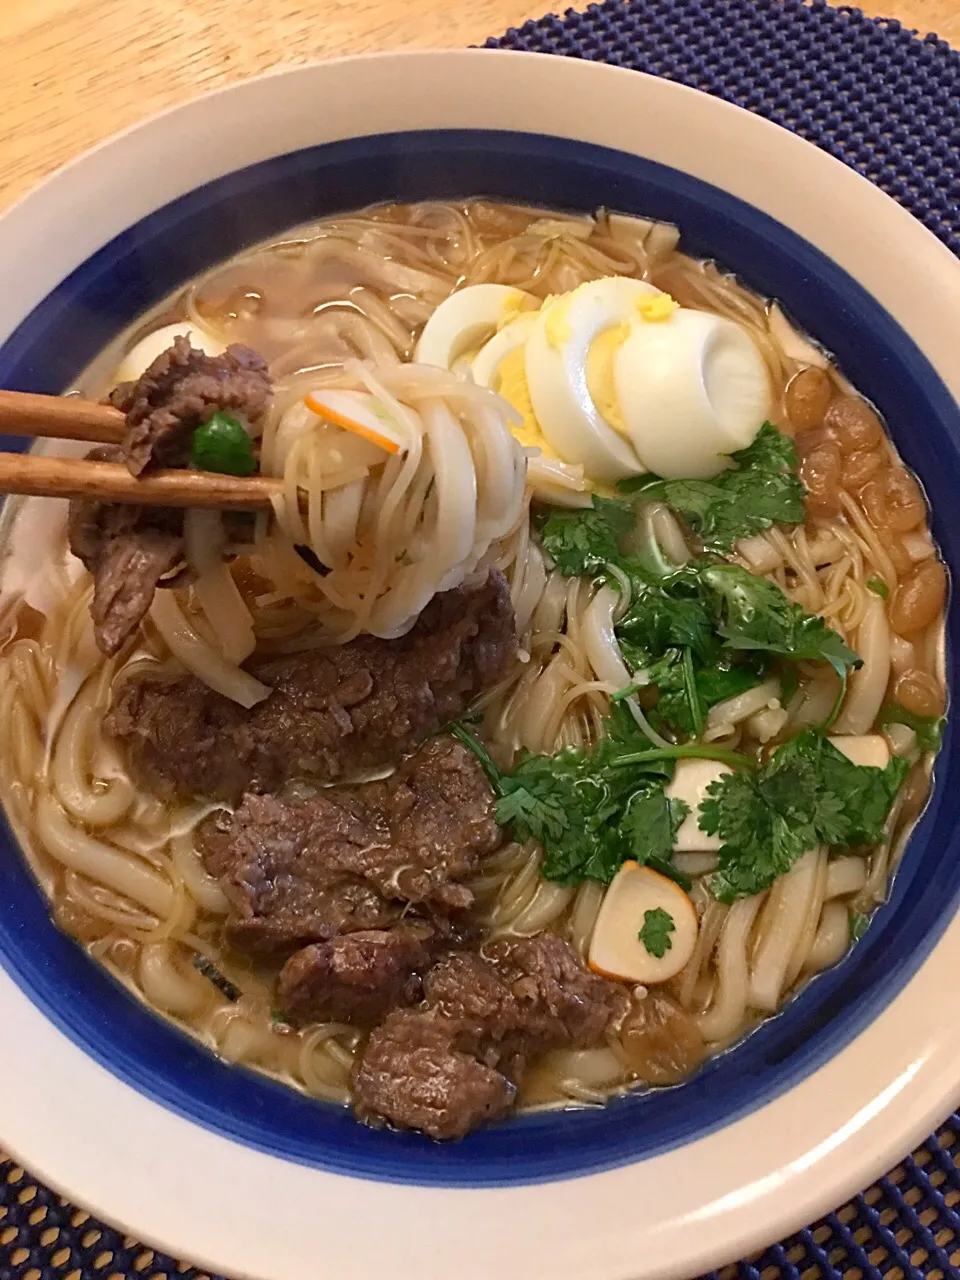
x: 888, y: 104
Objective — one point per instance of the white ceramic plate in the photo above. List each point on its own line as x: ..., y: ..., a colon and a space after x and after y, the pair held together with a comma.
x: 119, y: 1112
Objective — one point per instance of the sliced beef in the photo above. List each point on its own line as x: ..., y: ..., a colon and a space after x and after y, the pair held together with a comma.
x: 525, y: 996
x: 358, y: 978
x: 304, y: 870
x: 440, y: 810
x: 128, y: 549
x: 180, y: 391
x: 560, y: 1002
x: 436, y: 1068
x: 332, y: 713
x: 413, y: 1076
x: 473, y: 996
x: 293, y: 870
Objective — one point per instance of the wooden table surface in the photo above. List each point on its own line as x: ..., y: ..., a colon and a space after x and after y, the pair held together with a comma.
x: 74, y: 71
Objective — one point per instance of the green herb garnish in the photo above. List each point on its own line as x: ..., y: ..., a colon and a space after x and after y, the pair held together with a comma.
x: 752, y: 613
x: 589, y: 815
x: 731, y: 623
x: 213, y: 974
x: 808, y: 793
x: 222, y: 445
x: 670, y: 613
x: 593, y: 810
x: 878, y: 587
x: 929, y: 729
x: 585, y: 540
x: 858, y: 925
x: 759, y: 489
x: 655, y: 933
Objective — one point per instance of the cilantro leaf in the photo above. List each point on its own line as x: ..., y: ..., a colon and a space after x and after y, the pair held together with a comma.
x: 721, y: 679
x: 584, y: 540
x: 655, y: 933
x: 705, y: 606
x: 221, y: 444
x: 566, y: 805
x: 539, y: 800
x: 650, y: 824
x: 759, y: 489
x: 808, y: 793
x: 752, y: 613
x: 760, y: 842
x: 929, y: 729
x: 668, y: 614
x: 863, y: 794
x: 592, y: 810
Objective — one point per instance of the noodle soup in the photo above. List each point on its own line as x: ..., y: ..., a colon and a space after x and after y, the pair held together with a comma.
x: 669, y: 759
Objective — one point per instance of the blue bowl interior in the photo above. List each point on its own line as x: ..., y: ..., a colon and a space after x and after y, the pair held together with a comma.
x: 165, y: 250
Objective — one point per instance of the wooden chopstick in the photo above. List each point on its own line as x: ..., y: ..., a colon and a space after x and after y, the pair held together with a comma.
x: 45, y: 477
x: 70, y: 418
x: 61, y: 417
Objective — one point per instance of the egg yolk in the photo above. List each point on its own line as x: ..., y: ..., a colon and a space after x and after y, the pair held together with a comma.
x: 512, y: 385
x: 512, y: 306
x: 656, y: 307
x: 599, y: 372
x: 556, y: 323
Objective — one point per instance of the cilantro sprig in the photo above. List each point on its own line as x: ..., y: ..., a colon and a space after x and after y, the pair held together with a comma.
x: 587, y: 539
x: 698, y: 633
x: 759, y: 489
x: 593, y: 810
x: 808, y: 793
x: 752, y: 613
x: 929, y: 729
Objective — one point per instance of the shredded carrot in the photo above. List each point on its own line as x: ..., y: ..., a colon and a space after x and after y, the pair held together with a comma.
x: 350, y: 424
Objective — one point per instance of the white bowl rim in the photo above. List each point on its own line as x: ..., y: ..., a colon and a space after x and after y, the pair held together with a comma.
x: 179, y: 1186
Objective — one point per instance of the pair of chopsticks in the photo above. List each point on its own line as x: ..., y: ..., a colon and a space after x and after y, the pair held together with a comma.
x: 69, y: 418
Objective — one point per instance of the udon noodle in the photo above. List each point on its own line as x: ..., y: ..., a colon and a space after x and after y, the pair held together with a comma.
x: 339, y: 306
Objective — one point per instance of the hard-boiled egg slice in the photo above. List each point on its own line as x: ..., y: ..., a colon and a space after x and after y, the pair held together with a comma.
x: 360, y: 413
x: 487, y: 362
x: 500, y: 365
x: 467, y: 319
x: 557, y: 361
x: 863, y: 748
x: 646, y: 928
x: 140, y: 357
x: 689, y: 783
x: 693, y: 388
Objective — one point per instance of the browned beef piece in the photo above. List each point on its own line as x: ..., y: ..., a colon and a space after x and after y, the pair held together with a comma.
x: 412, y: 1076
x: 333, y: 712
x: 358, y: 978
x: 294, y: 870
x: 128, y: 549
x: 473, y: 995
x: 180, y: 391
x: 531, y: 995
x: 524, y: 995
x: 304, y: 870
x: 561, y: 1003
x: 440, y: 810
